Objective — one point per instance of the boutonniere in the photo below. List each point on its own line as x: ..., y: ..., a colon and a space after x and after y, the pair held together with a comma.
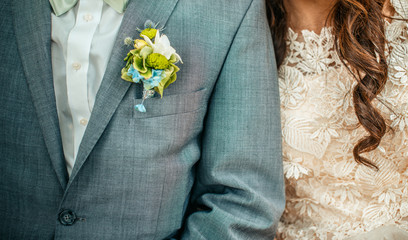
x: 152, y: 62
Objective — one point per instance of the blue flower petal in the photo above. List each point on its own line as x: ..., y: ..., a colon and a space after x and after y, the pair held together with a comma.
x: 154, y: 81
x: 157, y: 73
x: 136, y: 77
x: 140, y: 108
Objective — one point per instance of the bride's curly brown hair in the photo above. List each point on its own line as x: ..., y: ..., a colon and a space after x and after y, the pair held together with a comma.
x: 358, y: 29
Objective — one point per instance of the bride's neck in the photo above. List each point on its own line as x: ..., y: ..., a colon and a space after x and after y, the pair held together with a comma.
x: 308, y: 14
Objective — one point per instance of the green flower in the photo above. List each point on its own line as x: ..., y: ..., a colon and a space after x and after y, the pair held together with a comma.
x: 149, y: 32
x: 157, y: 61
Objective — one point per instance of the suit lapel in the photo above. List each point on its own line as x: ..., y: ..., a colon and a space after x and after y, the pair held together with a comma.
x: 112, y: 88
x: 32, y: 22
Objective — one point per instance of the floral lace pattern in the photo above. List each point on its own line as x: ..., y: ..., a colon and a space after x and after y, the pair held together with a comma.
x: 329, y: 195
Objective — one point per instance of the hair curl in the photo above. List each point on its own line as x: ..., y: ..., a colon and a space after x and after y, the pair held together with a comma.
x: 358, y: 29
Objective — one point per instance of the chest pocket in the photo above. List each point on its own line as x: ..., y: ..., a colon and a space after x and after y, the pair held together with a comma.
x: 172, y: 104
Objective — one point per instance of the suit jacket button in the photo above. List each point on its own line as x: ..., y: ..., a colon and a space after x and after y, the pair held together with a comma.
x: 67, y: 217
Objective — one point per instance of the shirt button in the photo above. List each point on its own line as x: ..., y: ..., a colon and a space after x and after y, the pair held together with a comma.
x: 76, y: 66
x: 88, y: 17
x: 83, y: 122
x: 67, y: 217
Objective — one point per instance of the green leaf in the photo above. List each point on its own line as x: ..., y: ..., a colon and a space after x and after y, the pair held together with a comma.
x: 128, y: 56
x: 139, y: 64
x: 171, y: 80
x: 173, y: 58
x: 125, y: 76
x: 176, y: 69
x: 171, y: 77
x: 148, y: 74
x: 159, y: 89
x: 146, y: 51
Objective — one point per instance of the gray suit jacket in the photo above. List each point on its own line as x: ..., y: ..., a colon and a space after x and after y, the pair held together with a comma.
x: 204, y: 162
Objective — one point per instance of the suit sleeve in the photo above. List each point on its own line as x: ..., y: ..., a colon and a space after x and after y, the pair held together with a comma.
x: 239, y: 192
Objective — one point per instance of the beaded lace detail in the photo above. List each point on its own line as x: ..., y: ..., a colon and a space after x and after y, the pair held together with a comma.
x: 329, y: 195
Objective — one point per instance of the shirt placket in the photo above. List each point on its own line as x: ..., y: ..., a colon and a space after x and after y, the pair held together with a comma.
x: 77, y: 65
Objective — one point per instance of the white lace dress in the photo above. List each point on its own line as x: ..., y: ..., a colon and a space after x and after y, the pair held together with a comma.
x: 329, y: 195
